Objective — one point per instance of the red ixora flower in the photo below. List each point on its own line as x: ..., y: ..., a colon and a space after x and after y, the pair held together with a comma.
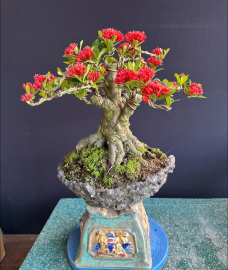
x: 145, y: 98
x: 135, y: 35
x: 124, y: 75
x: 84, y: 55
x: 29, y: 84
x: 145, y: 74
x: 93, y: 76
x: 174, y: 83
x: 26, y: 97
x: 105, y: 71
x: 39, y: 79
x: 155, y: 88
x: 70, y: 50
x: 195, y: 88
x: 110, y: 32
x: 155, y: 62
x: 129, y: 47
x: 78, y: 70
x: 182, y: 74
x: 157, y: 51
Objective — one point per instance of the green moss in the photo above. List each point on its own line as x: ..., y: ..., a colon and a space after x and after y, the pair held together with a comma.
x: 142, y: 150
x: 91, y: 166
x: 120, y: 169
x: 131, y: 167
x: 163, y: 155
x: 107, y: 180
x: 71, y: 157
x: 92, y: 160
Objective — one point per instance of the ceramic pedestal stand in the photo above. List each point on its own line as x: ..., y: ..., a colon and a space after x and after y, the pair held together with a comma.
x: 115, y: 232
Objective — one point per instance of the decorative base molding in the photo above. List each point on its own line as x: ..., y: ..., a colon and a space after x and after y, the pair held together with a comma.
x: 117, y: 240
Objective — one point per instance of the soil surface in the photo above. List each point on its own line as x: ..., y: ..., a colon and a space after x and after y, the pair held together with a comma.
x: 91, y: 165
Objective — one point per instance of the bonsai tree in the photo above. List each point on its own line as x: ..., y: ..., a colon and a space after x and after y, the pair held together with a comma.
x: 119, y: 79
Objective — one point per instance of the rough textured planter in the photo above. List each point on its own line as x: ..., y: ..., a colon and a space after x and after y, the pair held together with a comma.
x: 122, y: 197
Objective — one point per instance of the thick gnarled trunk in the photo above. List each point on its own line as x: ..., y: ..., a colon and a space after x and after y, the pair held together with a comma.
x: 114, y: 129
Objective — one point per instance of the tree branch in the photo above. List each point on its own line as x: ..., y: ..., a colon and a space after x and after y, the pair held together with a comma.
x: 61, y: 93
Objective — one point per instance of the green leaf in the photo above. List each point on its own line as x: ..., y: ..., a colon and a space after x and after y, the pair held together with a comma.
x: 101, y: 53
x: 81, y: 45
x: 66, y: 55
x: 186, y: 87
x: 137, y: 64
x: 178, y: 78
x: 124, y: 48
x: 56, y: 81
x: 49, y: 86
x: 87, y: 71
x: 135, y: 43
x: 102, y: 44
x: 166, y: 51
x: 80, y: 94
x: 109, y: 45
x: 48, y: 75
x: 184, y: 79
x: 59, y: 71
x: 44, y: 83
x: 42, y: 94
x: 114, y: 60
x: 168, y: 101
x: 76, y: 50
x: 100, y: 34
x: 198, y: 96
x: 99, y: 79
x: 74, y: 80
x: 156, y: 70
x: 152, y: 66
x: 132, y: 67
x: 114, y: 38
x: 27, y: 89
x: 96, y: 54
x: 133, y: 84
x: 95, y: 44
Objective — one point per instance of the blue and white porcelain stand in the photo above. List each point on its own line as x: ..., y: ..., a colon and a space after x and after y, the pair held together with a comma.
x: 109, y: 239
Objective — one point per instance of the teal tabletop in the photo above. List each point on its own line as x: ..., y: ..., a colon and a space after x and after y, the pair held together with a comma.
x: 196, y: 229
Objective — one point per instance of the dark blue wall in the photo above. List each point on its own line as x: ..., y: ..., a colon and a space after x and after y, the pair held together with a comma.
x: 34, y: 139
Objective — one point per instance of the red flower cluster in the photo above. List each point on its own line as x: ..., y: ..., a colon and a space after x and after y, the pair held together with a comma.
x: 174, y: 83
x: 26, y: 97
x: 70, y: 50
x: 182, y: 74
x: 39, y: 79
x: 110, y: 32
x: 195, y: 88
x: 155, y: 88
x: 29, y: 84
x: 124, y: 75
x: 105, y: 71
x: 93, y: 76
x: 155, y: 62
x: 145, y: 98
x: 128, y: 47
x: 157, y: 51
x: 78, y: 70
x: 135, y: 35
x: 84, y: 55
x: 145, y: 74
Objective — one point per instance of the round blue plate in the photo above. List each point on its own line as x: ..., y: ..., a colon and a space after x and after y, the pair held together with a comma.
x: 159, y: 246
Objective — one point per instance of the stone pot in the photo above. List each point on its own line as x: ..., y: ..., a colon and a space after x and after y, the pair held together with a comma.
x: 122, y: 197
